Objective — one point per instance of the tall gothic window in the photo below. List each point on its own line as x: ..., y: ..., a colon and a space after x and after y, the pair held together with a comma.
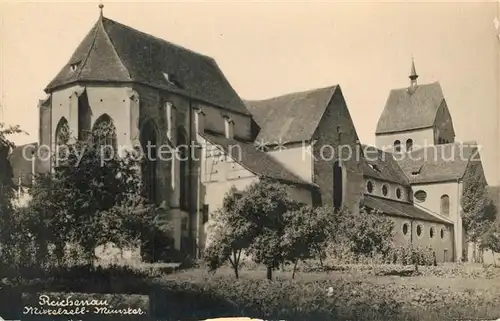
x: 445, y: 205
x: 337, y: 185
x: 149, y: 166
x: 62, y: 132
x: 183, y: 154
x: 84, y: 114
x: 104, y: 132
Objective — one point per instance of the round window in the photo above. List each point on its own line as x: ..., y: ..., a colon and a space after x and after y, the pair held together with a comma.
x: 369, y: 187
x: 385, y: 190
x: 420, y: 196
x: 431, y: 232
x: 405, y: 228
x: 398, y: 192
x: 419, y: 230
x: 442, y: 233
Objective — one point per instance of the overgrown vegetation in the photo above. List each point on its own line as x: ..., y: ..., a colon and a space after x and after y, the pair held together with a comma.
x: 264, y: 224
x: 89, y: 199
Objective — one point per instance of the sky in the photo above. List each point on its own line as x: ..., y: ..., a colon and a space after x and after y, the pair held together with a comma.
x: 267, y: 49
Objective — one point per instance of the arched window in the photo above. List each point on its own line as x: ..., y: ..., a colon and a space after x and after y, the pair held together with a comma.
x: 405, y: 228
x: 183, y: 154
x: 419, y: 230
x: 84, y: 117
x: 445, y: 205
x: 149, y: 166
x: 369, y: 187
x: 397, y: 146
x: 409, y: 144
x: 337, y: 185
x: 62, y: 132
x: 431, y: 232
x: 398, y: 193
x: 104, y: 132
x: 385, y: 190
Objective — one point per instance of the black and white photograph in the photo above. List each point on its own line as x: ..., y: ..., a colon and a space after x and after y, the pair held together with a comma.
x: 249, y: 160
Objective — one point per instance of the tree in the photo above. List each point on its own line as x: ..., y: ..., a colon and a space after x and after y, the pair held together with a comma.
x: 231, y: 234
x: 254, y: 222
x: 91, y: 199
x: 476, y: 205
x: 490, y: 239
x: 305, y: 234
x: 264, y: 205
x: 8, y: 223
x: 361, y: 233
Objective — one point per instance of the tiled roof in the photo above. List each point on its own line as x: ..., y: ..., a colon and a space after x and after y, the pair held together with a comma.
x: 401, y: 209
x: 437, y: 163
x: 382, y: 165
x: 405, y: 111
x: 256, y: 161
x: 293, y: 117
x: 114, y: 52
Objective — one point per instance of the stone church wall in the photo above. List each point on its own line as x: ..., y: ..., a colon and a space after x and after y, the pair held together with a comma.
x: 337, y: 119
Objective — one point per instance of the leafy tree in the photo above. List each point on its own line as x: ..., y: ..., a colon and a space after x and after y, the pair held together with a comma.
x: 264, y: 205
x: 476, y: 205
x: 253, y: 221
x: 7, y: 213
x: 361, y: 233
x: 490, y: 239
x: 91, y: 199
x: 305, y: 234
x: 230, y: 234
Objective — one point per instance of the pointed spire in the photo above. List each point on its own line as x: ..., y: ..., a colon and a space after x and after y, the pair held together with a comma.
x: 413, y: 73
x: 101, y: 6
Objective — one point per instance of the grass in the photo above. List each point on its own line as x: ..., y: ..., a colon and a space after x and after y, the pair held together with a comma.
x: 462, y: 291
x: 445, y: 292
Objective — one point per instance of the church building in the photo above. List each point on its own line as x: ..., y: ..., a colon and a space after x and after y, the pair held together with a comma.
x: 153, y: 91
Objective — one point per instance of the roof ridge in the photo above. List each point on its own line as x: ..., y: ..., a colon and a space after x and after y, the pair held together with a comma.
x: 157, y: 38
x: 332, y: 87
x: 420, y: 85
x: 86, y: 58
x: 114, y: 47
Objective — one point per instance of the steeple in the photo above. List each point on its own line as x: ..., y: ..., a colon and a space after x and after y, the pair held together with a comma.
x: 413, y: 74
x: 101, y: 6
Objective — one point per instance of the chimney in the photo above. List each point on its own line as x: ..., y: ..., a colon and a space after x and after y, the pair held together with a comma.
x: 228, y: 127
x: 199, y: 120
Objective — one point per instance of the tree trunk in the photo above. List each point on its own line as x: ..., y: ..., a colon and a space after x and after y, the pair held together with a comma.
x: 269, y: 273
x: 294, y: 269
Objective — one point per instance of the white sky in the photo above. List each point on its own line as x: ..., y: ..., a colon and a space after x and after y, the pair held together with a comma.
x: 273, y: 48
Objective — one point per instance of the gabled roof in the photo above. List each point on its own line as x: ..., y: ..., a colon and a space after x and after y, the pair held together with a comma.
x: 437, y: 163
x: 405, y: 110
x: 382, y: 165
x: 254, y: 160
x: 114, y: 52
x: 401, y: 209
x: 290, y: 118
